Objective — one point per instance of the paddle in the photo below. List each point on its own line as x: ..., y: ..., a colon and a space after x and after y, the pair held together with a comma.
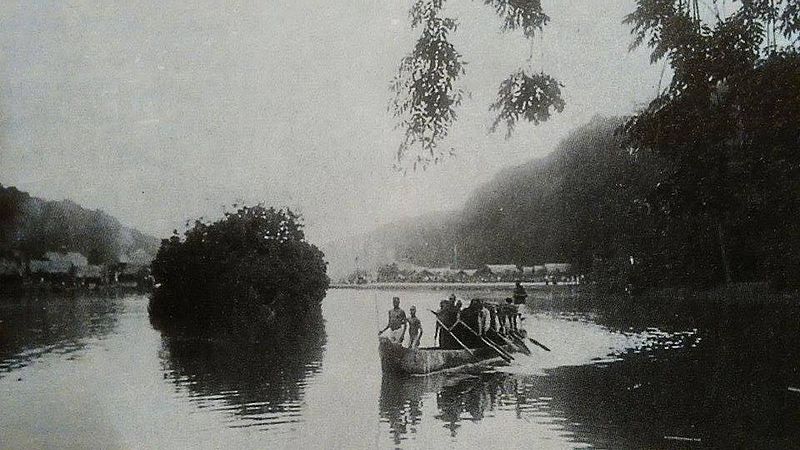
x: 452, y: 334
x: 539, y: 344
x: 520, y: 345
x: 500, y: 352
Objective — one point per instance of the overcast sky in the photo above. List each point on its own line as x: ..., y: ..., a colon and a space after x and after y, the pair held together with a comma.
x: 158, y: 111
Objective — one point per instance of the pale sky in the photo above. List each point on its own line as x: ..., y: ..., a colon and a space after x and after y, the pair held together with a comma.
x: 159, y: 111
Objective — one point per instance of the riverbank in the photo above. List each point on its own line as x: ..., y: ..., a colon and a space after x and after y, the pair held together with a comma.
x: 457, y: 286
x: 56, y: 291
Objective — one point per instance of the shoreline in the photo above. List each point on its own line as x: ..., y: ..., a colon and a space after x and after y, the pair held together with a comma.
x: 536, y: 286
x: 42, y: 291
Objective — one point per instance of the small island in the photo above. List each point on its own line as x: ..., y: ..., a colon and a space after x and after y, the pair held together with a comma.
x: 239, y: 277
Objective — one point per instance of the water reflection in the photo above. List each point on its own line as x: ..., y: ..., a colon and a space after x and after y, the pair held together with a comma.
x: 719, y: 380
x: 32, y: 328
x: 651, y: 385
x: 401, y: 404
x: 257, y: 384
x: 458, y: 399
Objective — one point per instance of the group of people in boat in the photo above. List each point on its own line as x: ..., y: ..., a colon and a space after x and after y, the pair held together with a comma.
x: 456, y: 326
x: 479, y: 320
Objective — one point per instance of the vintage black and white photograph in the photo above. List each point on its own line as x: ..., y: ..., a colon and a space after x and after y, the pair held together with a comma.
x: 399, y: 224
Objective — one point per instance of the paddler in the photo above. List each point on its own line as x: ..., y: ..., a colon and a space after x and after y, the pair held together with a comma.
x: 414, y: 328
x: 511, y: 315
x: 448, y: 316
x: 492, y: 317
x: 396, y: 328
x: 471, y: 317
x: 484, y: 318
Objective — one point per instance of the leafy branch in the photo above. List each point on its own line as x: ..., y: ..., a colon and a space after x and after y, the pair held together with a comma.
x: 426, y: 92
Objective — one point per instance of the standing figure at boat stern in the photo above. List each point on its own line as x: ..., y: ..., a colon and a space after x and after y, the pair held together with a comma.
x: 414, y: 328
x: 519, y: 294
x: 396, y: 328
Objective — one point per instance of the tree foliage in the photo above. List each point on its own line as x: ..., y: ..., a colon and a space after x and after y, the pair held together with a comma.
x: 527, y: 96
x: 426, y: 88
x: 238, y: 273
x: 728, y: 121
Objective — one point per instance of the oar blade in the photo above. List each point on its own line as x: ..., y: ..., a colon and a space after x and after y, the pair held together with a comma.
x: 539, y: 344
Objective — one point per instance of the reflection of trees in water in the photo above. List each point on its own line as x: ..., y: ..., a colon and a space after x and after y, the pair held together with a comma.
x: 32, y: 328
x: 260, y: 383
x: 458, y: 397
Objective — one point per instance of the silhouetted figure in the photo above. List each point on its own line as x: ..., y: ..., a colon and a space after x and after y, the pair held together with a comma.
x: 448, y: 315
x: 519, y: 294
x: 471, y: 317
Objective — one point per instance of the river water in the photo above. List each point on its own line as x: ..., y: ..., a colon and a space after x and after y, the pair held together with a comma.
x: 93, y: 373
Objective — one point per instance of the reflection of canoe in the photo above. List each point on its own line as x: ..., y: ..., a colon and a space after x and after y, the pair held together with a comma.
x: 422, y: 361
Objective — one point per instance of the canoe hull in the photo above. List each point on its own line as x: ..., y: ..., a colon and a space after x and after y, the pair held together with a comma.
x: 423, y: 361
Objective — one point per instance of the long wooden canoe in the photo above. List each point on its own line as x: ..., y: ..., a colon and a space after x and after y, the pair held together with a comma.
x: 398, y: 359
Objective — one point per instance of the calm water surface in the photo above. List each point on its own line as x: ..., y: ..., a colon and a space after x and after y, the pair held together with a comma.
x: 93, y: 373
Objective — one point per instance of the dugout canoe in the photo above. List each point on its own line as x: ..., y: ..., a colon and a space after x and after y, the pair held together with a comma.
x: 399, y: 360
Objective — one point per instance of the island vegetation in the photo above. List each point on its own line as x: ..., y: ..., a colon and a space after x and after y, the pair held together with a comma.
x: 239, y: 276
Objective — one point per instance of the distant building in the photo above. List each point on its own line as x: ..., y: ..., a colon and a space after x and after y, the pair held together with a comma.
x: 40, y: 267
x: 58, y: 272
x: 90, y: 274
x: 504, y: 272
x: 137, y: 258
x: 503, y: 269
x: 558, y: 268
x: 72, y: 258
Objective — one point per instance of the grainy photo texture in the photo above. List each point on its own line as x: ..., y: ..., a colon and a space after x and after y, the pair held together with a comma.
x: 399, y: 224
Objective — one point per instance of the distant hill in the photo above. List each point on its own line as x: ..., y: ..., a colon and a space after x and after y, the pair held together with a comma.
x: 562, y: 207
x: 30, y: 227
x: 386, y: 244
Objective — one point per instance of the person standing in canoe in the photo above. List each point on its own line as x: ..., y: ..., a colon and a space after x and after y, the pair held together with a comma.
x: 396, y: 328
x: 511, y: 315
x: 519, y: 294
x: 448, y: 316
x: 414, y: 328
x: 471, y: 317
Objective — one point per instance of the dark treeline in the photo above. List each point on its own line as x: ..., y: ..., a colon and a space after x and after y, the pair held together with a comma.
x: 30, y: 227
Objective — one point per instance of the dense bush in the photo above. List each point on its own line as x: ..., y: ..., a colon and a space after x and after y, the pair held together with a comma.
x: 239, y: 274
